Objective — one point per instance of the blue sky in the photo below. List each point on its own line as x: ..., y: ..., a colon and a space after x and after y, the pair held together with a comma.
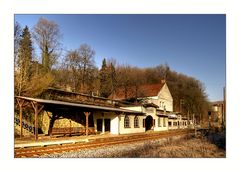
x: 194, y: 45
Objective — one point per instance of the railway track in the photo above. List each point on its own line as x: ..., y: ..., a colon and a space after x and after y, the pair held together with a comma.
x: 100, y: 142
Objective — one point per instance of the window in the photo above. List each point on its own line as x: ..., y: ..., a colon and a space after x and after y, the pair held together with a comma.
x: 126, y: 122
x: 136, y: 122
x: 170, y: 123
x: 159, y: 122
x: 164, y: 122
x: 161, y: 104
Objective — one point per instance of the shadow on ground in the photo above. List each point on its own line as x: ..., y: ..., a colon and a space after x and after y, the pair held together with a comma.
x: 217, y: 137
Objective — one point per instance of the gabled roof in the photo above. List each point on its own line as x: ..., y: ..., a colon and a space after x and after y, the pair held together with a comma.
x: 147, y: 90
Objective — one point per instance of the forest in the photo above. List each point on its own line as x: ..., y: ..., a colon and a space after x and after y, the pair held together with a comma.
x: 75, y: 70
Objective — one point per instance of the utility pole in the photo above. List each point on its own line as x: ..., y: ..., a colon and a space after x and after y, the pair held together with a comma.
x: 200, y: 119
x: 209, y: 120
x: 180, y: 108
x: 180, y: 105
x: 224, y: 108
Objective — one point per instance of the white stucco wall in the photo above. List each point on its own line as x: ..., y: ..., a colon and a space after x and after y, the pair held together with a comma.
x: 113, y: 121
x: 172, y: 127
x: 114, y: 125
x: 149, y: 111
x: 166, y: 99
x: 117, y: 123
x: 181, y: 126
x: 161, y: 128
x: 134, y: 108
x: 131, y: 129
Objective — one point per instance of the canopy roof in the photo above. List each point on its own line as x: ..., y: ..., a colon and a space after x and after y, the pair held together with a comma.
x: 62, y: 104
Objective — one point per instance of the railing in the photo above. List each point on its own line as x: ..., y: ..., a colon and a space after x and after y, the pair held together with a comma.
x: 72, y: 130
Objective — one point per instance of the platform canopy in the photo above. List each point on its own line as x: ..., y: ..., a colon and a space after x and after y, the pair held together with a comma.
x: 52, y: 105
x: 63, y: 104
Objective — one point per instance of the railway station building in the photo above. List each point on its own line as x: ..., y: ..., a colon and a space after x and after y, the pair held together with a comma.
x: 64, y: 112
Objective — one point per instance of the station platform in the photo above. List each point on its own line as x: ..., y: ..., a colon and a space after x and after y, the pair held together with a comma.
x: 47, y: 140
x: 44, y: 140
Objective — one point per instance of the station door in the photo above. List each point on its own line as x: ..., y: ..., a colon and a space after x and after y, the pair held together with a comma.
x: 106, y: 124
x: 99, y: 125
x: 149, y: 122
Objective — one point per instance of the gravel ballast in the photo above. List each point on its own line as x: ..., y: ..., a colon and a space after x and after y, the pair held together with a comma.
x: 173, y: 147
x: 115, y: 151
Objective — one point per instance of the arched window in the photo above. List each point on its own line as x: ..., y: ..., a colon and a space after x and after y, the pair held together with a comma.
x: 136, y: 122
x: 126, y: 122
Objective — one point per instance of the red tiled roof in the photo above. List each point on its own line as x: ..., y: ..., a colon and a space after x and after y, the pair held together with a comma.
x: 143, y: 91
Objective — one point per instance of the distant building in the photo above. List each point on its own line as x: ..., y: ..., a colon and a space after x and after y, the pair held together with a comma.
x: 217, y: 114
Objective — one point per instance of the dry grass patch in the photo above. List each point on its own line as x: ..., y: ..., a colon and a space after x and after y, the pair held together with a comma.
x: 183, y: 148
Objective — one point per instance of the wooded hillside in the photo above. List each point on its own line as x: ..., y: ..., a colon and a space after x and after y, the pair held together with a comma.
x: 76, y: 71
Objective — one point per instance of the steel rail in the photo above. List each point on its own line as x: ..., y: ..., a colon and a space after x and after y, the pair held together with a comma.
x: 38, y: 151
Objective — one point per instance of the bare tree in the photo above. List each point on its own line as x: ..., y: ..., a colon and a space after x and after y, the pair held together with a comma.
x: 123, y: 78
x: 47, y: 35
x: 38, y: 83
x: 86, y: 54
x: 137, y: 79
x: 73, y: 66
x: 29, y: 78
x: 80, y: 67
x: 17, y: 38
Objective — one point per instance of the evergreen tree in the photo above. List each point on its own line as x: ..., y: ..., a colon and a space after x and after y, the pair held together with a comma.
x: 24, y: 60
x: 113, y: 78
x: 105, y: 87
x: 108, y: 79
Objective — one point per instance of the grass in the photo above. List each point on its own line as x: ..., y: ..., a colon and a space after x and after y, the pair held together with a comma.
x: 187, y: 147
